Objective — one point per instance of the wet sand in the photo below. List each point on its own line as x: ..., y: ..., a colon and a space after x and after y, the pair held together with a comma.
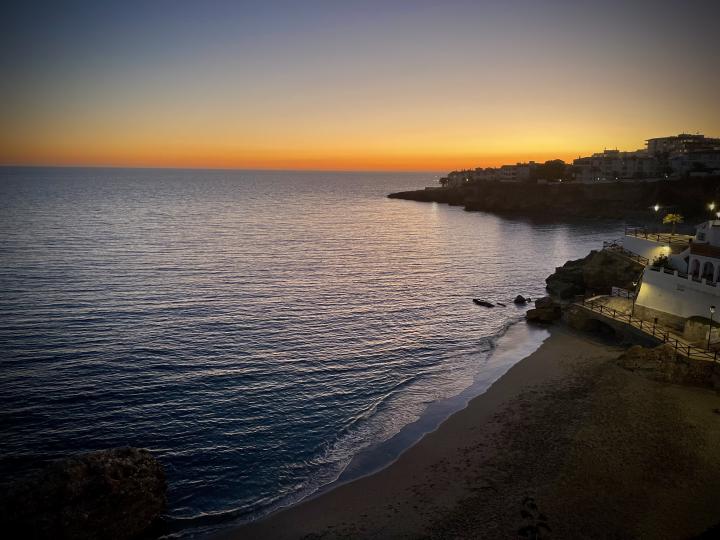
x: 566, y: 442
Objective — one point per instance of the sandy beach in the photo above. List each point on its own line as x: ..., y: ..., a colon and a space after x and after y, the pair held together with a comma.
x: 566, y: 443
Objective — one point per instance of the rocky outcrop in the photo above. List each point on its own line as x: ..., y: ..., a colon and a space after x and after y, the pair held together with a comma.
x: 546, y: 311
x: 567, y: 280
x: 596, y: 273
x: 114, y: 493
x: 662, y: 364
x: 447, y: 196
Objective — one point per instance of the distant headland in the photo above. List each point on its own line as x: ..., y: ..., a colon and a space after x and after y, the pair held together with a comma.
x: 679, y: 173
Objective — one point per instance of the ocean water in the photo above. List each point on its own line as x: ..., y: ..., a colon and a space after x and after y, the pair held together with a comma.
x: 255, y: 330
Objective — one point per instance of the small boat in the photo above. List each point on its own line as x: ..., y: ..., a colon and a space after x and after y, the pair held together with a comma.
x: 484, y: 303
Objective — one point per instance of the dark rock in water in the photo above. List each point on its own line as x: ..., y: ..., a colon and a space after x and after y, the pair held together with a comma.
x: 520, y: 300
x: 115, y: 493
x: 483, y: 302
x: 546, y: 311
x: 545, y: 302
x: 501, y: 304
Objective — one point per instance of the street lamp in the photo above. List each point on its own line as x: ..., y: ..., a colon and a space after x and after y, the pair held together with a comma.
x: 712, y: 206
x: 712, y: 312
x: 656, y: 207
x: 632, y: 311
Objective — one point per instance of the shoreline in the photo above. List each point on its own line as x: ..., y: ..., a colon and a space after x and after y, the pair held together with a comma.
x: 555, y: 420
x: 516, y: 342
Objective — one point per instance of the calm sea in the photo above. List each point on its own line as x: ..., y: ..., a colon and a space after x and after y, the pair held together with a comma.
x: 255, y: 330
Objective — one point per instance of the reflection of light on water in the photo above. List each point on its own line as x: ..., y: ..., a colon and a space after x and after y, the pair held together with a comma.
x: 255, y: 329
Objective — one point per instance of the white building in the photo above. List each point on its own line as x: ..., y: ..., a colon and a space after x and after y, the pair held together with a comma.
x: 520, y: 172
x: 687, y: 285
x: 614, y: 165
x: 684, y: 143
x: 679, y: 155
x: 696, y: 163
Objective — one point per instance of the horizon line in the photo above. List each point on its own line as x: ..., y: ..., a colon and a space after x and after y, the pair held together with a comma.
x: 171, y: 168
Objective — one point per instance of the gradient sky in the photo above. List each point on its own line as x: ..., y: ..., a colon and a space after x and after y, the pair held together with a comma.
x: 351, y: 85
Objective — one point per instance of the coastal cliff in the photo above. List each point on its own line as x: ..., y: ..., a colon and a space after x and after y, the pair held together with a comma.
x: 597, y: 273
x: 574, y: 200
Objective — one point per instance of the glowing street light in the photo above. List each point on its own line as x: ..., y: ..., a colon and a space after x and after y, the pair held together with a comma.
x: 632, y: 311
x: 656, y: 207
x: 711, y: 206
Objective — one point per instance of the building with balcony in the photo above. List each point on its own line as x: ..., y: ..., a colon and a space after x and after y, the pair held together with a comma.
x: 614, y: 165
x: 520, y: 172
x: 681, y: 279
x: 684, y: 143
x: 679, y: 155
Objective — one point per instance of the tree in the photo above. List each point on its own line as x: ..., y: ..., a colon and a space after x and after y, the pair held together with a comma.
x: 550, y: 170
x: 673, y: 219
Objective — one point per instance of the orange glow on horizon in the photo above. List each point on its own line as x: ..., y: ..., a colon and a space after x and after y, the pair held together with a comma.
x: 438, y: 88
x: 288, y: 161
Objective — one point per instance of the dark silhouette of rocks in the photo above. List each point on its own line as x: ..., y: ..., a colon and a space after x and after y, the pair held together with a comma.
x: 546, y: 311
x: 596, y: 273
x: 570, y: 200
x: 115, y: 493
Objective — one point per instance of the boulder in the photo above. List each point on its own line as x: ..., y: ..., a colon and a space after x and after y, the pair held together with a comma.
x: 598, y: 272
x: 567, y: 280
x: 115, y: 493
x: 545, y: 302
x: 545, y: 311
x: 604, y: 270
x: 520, y: 300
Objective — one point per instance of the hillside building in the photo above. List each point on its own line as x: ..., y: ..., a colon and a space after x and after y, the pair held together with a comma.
x: 681, y: 281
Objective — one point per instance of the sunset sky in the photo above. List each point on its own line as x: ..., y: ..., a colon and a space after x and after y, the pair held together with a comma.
x: 351, y: 85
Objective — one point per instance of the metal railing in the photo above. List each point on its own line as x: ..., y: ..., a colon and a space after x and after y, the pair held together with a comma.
x: 622, y: 293
x: 652, y: 329
x: 618, y: 248
x: 678, y: 241
x: 643, y: 233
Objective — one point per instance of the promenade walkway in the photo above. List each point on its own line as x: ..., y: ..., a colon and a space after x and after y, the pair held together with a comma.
x: 600, y: 305
x: 677, y: 242
x: 615, y: 247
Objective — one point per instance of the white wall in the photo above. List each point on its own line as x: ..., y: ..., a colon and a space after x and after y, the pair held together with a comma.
x: 675, y: 295
x: 649, y: 249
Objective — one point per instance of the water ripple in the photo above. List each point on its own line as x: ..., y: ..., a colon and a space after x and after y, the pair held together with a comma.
x: 254, y: 329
